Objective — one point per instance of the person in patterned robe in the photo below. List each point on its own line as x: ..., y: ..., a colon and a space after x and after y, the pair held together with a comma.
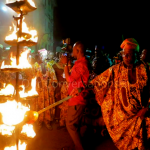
x: 119, y: 91
x: 45, y: 78
x: 64, y: 106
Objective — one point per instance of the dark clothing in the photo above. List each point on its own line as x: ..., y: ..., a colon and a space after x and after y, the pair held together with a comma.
x: 74, y: 122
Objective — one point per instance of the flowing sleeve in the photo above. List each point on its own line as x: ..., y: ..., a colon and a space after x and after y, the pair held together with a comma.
x: 101, y: 84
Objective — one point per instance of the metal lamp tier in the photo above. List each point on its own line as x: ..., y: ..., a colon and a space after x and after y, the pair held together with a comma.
x: 21, y: 43
x: 22, y: 8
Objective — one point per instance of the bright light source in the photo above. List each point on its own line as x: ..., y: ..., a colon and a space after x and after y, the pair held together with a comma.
x: 7, y: 48
x: 4, y: 8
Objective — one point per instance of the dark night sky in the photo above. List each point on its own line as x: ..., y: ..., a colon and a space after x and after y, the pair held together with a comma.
x: 103, y: 22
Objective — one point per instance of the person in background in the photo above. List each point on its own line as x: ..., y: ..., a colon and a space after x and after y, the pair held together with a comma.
x: 45, y: 89
x: 59, y: 70
x: 77, y: 78
x: 119, y: 91
x: 64, y: 106
x: 118, y: 58
x: 145, y: 58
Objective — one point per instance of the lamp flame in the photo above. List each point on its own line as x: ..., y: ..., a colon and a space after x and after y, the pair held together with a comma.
x: 8, y: 90
x: 23, y: 62
x: 25, y: 29
x: 32, y: 92
x: 21, y: 146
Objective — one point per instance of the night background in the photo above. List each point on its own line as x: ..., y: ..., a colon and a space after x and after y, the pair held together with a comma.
x: 103, y: 23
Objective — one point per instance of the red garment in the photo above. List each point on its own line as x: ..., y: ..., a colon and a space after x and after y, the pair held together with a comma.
x: 79, y: 73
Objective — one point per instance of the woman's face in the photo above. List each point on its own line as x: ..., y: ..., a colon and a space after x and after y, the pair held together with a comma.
x: 128, y: 56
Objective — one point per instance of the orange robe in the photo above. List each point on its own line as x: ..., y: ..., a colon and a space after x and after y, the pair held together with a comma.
x: 122, y: 122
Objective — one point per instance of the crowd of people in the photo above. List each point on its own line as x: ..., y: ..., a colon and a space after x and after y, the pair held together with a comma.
x: 121, y: 89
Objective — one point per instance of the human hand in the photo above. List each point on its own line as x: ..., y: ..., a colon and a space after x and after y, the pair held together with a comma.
x: 74, y: 92
x: 142, y: 112
x: 64, y: 59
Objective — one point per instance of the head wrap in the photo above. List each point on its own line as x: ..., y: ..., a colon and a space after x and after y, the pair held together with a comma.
x: 130, y: 43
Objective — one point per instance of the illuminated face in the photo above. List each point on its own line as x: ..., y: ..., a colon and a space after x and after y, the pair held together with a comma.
x: 43, y: 55
x: 143, y: 55
x: 75, y: 51
x: 128, y: 56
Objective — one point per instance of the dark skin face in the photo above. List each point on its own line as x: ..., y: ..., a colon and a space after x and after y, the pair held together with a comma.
x: 144, y: 55
x: 128, y: 57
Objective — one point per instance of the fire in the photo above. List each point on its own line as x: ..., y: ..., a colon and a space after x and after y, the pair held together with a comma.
x: 33, y: 33
x: 23, y: 62
x: 28, y: 130
x: 12, y: 114
x: 14, y: 35
x: 8, y: 90
x: 30, y: 2
x: 25, y: 29
x: 32, y: 92
x: 21, y: 146
x: 6, y: 130
x: 16, y: 115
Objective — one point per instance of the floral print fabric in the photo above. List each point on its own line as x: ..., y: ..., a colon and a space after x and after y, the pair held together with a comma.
x: 120, y: 102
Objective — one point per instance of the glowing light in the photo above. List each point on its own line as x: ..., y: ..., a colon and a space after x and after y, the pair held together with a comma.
x: 8, y: 90
x: 21, y: 146
x: 31, y: 92
x: 23, y: 61
x: 4, y: 8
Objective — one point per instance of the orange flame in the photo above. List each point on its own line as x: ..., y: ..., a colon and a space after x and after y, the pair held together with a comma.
x: 17, y: 112
x: 25, y: 29
x: 32, y: 92
x: 6, y: 130
x: 23, y: 62
x: 21, y: 146
x: 28, y: 130
x: 8, y: 90
x: 15, y: 117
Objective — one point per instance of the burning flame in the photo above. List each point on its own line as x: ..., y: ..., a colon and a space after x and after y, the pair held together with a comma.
x: 25, y: 29
x: 6, y: 130
x: 14, y: 35
x: 8, y: 90
x: 28, y: 130
x: 16, y: 116
x: 23, y: 62
x: 21, y: 146
x: 17, y: 112
x: 31, y: 92
x: 30, y: 2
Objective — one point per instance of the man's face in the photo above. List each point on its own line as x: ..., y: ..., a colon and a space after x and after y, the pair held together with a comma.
x: 74, y: 53
x: 143, y: 55
x: 128, y: 56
